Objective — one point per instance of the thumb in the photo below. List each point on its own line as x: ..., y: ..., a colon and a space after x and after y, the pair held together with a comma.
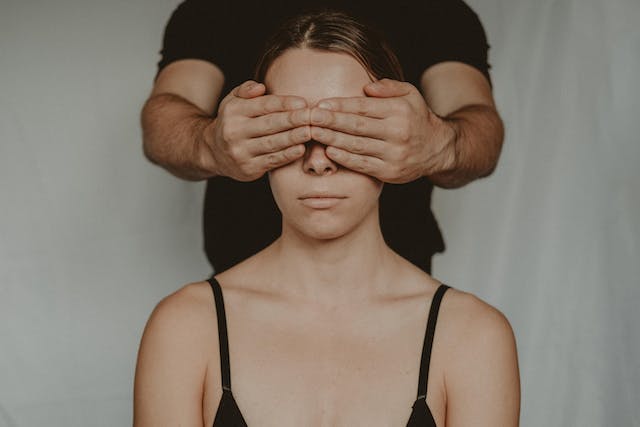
x: 249, y: 89
x: 387, y: 88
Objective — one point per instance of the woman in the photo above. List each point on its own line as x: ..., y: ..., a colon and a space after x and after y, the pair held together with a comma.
x: 327, y: 326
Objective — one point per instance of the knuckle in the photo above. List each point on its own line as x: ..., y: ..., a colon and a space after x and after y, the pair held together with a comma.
x: 362, y: 106
x: 272, y: 104
x: 328, y: 118
x: 395, y: 170
x: 269, y: 143
x: 273, y: 160
x: 356, y: 145
x: 406, y: 133
x: 248, y: 170
x: 360, y: 124
x: 292, y: 103
x: 231, y: 131
x: 292, y: 118
x: 231, y: 107
x: 363, y: 163
x: 407, y: 109
x: 236, y: 153
x: 402, y: 132
x: 400, y: 155
x: 297, y: 135
x: 226, y: 132
x: 269, y: 124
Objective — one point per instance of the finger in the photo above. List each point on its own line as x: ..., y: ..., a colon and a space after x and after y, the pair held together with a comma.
x: 355, y: 124
x: 249, y: 89
x: 388, y: 88
x: 354, y: 144
x: 357, y: 162
x: 278, y: 141
x: 271, y: 123
x: 270, y: 104
x: 274, y: 160
x: 362, y: 105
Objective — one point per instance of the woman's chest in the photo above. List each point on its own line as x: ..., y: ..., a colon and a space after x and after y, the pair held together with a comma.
x: 325, y: 375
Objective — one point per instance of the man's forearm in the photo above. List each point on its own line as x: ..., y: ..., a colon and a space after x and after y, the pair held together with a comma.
x: 479, y: 133
x: 173, y: 137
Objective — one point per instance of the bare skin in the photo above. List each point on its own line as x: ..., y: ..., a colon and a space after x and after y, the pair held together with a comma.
x: 451, y: 133
x: 326, y: 324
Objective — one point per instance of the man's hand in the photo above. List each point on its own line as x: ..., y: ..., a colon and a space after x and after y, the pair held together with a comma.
x: 391, y: 134
x: 254, y: 133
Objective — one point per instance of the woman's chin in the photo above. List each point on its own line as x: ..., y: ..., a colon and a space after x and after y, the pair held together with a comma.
x: 325, y: 235
x: 322, y: 230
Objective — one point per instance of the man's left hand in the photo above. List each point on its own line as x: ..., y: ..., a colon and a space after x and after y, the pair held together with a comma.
x: 390, y: 134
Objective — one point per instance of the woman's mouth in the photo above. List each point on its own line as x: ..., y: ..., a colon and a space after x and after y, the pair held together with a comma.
x: 320, y: 200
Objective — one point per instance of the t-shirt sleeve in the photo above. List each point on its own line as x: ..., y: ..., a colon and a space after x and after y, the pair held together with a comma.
x: 195, y: 31
x: 460, y: 37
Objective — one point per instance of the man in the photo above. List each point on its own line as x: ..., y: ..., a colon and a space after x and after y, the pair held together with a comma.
x: 448, y: 133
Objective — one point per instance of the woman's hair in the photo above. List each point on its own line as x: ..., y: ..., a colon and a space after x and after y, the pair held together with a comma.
x: 335, y: 32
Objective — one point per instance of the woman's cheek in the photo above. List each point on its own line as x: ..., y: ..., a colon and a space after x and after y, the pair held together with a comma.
x: 283, y: 190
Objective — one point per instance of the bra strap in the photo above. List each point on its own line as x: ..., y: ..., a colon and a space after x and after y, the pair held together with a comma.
x: 223, y: 341
x: 423, y: 378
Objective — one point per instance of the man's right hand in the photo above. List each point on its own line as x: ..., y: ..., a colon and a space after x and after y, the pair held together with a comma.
x: 254, y: 133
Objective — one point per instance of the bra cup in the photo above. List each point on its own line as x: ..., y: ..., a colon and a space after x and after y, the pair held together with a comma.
x: 228, y: 414
x: 421, y: 415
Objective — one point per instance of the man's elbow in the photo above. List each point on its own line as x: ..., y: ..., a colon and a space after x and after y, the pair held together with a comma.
x: 149, y: 123
x: 495, y: 141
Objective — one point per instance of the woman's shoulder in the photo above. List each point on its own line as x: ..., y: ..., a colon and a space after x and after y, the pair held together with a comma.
x: 189, y: 303
x: 471, y: 325
x: 480, y: 346
x: 175, y: 350
x: 186, y: 316
x: 470, y: 315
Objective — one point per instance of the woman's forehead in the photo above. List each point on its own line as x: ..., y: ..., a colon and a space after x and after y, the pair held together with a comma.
x: 315, y: 75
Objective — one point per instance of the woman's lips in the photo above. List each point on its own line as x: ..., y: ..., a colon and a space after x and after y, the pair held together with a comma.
x: 320, y: 201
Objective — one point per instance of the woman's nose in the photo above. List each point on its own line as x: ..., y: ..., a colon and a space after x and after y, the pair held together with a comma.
x: 316, y: 161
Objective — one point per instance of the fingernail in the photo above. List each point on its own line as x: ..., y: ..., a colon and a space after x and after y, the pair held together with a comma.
x: 326, y: 105
x: 331, y: 151
x: 317, y: 116
x: 298, y: 103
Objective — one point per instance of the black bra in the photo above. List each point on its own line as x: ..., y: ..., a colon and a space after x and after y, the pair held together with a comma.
x: 229, y: 415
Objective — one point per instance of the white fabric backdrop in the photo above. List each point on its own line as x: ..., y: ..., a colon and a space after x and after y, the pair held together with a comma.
x: 92, y: 235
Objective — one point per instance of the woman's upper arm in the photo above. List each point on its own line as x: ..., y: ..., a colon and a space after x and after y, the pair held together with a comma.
x: 483, y: 383
x: 171, y: 364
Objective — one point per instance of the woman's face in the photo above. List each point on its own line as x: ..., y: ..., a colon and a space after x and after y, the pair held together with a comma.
x: 316, y: 196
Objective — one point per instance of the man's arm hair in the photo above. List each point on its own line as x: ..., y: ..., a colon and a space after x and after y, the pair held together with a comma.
x: 461, y: 95
x: 177, y: 114
x: 173, y: 136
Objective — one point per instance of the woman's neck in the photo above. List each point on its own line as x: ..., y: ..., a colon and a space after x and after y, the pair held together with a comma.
x: 350, y: 268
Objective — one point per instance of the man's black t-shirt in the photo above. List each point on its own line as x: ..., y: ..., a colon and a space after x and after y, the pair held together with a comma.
x: 242, y: 218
